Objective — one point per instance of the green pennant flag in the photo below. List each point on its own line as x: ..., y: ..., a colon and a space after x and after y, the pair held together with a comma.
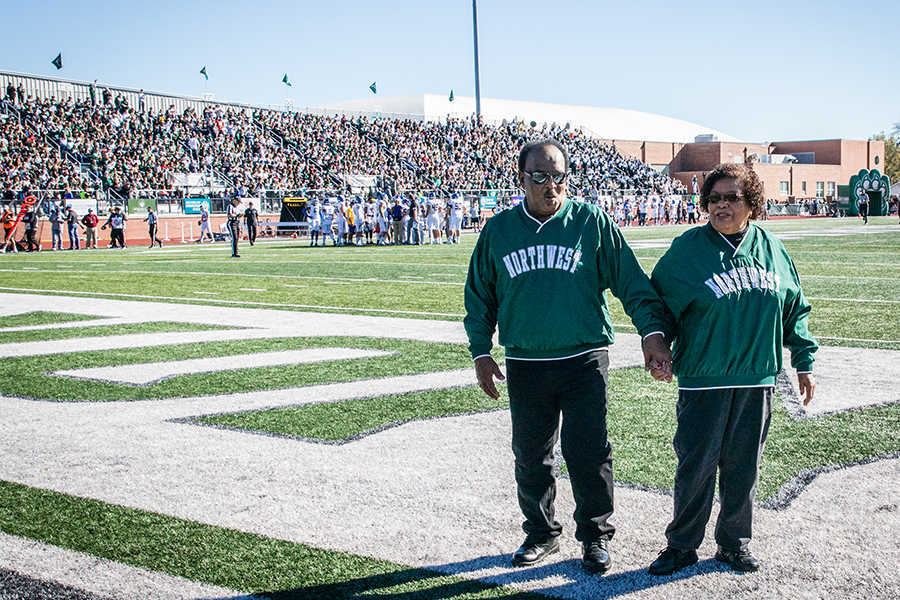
x: 451, y: 96
x: 203, y: 72
x: 373, y: 88
x: 286, y: 81
x: 57, y: 62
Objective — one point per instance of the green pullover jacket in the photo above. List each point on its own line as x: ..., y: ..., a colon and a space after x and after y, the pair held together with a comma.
x: 544, y: 284
x: 735, y: 309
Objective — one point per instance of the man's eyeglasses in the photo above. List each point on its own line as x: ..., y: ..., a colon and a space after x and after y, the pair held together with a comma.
x: 729, y: 198
x: 541, y: 177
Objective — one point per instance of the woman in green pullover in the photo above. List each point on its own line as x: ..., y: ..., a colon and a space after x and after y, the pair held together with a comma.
x: 735, y: 296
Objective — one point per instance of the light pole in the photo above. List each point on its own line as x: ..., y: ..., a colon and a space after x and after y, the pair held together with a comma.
x: 477, y: 77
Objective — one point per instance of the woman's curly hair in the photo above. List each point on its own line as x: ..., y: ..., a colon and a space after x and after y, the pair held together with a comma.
x: 748, y: 182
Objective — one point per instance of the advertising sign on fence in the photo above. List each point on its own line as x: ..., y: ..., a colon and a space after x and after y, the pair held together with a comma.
x: 192, y: 205
x: 137, y: 207
x: 81, y: 205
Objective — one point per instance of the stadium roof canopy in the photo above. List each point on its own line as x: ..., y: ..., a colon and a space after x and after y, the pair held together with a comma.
x: 606, y: 123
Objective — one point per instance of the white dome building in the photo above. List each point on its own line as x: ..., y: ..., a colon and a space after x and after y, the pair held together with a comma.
x: 605, y: 123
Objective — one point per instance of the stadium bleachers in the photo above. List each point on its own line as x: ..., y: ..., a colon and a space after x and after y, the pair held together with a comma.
x: 112, y: 146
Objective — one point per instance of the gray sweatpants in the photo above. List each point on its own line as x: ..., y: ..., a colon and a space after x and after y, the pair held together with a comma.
x: 722, y: 429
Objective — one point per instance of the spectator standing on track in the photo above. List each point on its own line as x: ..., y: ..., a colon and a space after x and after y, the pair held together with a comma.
x: 116, y: 224
x: 72, y: 224
x: 538, y: 276
x: 55, y: 227
x: 251, y: 220
x: 234, y: 225
x: 90, y: 221
x: 152, y: 222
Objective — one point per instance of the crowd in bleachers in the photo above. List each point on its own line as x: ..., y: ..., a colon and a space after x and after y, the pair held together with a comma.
x: 86, y: 146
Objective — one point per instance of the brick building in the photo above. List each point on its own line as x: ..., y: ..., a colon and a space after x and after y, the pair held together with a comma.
x: 792, y: 171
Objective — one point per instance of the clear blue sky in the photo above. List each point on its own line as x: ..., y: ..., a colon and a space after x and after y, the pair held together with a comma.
x: 761, y: 70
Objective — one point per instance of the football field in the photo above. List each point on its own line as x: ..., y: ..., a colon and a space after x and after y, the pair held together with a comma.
x: 303, y: 423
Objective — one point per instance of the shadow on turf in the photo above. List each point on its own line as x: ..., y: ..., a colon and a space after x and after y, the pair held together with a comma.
x: 427, y: 584
x: 576, y: 581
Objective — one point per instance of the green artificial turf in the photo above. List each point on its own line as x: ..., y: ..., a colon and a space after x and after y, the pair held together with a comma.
x: 102, y: 331
x: 40, y: 317
x: 843, y: 271
x: 24, y: 376
x: 334, y: 421
x: 219, y: 556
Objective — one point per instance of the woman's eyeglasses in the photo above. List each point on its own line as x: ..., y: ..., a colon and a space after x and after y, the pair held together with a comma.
x: 729, y: 198
x: 541, y: 177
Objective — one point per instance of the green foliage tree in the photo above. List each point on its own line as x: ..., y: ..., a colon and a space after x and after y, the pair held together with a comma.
x: 891, y: 152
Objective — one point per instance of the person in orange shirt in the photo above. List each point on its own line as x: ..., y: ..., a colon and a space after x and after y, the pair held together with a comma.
x: 8, y: 219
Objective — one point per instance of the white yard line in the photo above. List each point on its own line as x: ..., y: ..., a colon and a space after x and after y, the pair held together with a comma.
x: 75, y: 293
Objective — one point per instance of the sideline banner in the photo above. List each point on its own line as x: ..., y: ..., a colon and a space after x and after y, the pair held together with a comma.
x: 188, y: 180
x: 360, y: 181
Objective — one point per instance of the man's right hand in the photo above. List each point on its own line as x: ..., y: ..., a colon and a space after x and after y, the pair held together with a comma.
x: 485, y: 370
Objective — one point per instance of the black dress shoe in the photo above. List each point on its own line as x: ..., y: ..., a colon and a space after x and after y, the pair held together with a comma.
x: 671, y: 560
x: 740, y: 560
x: 596, y: 556
x: 534, y: 551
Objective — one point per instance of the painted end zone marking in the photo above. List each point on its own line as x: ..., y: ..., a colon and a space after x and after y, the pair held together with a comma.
x: 149, y: 373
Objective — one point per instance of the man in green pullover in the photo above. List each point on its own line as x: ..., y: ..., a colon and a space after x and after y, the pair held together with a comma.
x: 539, y: 274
